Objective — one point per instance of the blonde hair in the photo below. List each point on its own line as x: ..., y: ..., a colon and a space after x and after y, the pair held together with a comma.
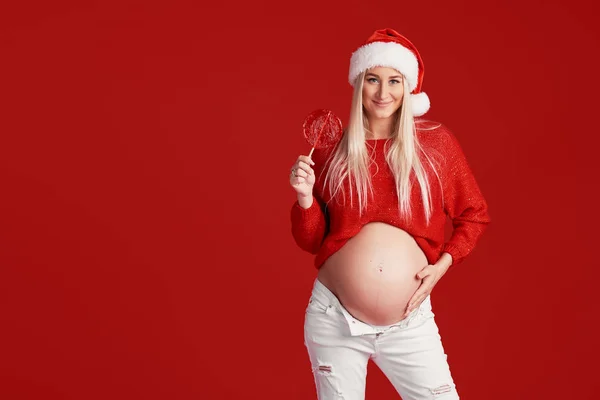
x: 350, y: 160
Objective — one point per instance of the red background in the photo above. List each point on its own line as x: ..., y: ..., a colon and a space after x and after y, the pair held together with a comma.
x: 145, y: 245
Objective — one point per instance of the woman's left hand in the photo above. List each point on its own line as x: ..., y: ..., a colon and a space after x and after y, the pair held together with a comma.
x: 430, y: 275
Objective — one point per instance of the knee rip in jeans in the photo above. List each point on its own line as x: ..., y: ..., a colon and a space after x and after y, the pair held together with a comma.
x: 325, y: 382
x: 324, y: 369
x: 441, y: 390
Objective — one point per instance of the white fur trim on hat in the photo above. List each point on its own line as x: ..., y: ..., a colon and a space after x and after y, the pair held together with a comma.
x: 385, y: 54
x: 420, y: 103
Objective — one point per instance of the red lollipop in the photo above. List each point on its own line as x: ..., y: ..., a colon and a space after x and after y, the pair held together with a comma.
x: 322, y: 128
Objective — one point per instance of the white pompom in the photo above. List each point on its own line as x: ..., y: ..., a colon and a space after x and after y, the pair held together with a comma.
x: 420, y: 103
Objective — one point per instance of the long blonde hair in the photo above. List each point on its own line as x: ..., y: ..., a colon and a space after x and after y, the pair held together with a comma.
x: 350, y: 160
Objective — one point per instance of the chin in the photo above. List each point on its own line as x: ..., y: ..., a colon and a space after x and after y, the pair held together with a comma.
x: 383, y: 114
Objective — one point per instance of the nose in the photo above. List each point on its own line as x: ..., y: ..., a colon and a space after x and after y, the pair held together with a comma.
x: 383, y: 91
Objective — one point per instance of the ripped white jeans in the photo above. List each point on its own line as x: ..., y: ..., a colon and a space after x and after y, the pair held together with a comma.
x: 409, y: 352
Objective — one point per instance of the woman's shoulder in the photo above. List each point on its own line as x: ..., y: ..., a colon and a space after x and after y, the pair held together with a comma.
x: 434, y: 133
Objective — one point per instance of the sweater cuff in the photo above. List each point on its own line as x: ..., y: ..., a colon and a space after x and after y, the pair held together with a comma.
x: 306, y: 214
x: 454, y: 252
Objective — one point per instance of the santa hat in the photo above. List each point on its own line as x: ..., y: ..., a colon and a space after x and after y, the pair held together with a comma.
x: 388, y: 48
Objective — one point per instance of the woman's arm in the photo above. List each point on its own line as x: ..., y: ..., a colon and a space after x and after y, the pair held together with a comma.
x: 463, y: 202
x: 309, y: 223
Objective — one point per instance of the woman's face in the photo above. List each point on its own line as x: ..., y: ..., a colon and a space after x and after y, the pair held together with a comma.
x: 382, y: 92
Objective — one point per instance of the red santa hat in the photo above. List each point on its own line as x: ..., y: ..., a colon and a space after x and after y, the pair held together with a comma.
x: 388, y: 48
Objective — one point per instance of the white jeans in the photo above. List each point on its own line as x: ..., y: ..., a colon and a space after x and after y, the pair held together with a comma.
x: 409, y: 353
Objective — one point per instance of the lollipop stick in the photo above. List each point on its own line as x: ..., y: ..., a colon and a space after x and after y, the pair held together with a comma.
x: 319, y: 135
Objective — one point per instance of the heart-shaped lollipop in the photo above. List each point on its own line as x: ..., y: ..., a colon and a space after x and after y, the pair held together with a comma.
x: 322, y: 129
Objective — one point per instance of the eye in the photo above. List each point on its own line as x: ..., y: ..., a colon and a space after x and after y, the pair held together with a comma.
x: 372, y: 80
x: 394, y: 81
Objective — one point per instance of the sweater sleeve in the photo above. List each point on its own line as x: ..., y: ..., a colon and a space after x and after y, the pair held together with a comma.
x: 463, y: 202
x: 309, y: 225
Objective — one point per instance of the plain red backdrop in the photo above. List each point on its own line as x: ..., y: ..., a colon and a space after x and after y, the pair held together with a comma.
x: 145, y: 245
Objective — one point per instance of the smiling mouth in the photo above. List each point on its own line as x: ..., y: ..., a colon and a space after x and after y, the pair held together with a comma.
x: 382, y: 104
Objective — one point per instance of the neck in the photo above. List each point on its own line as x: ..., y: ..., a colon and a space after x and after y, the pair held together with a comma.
x: 380, y: 128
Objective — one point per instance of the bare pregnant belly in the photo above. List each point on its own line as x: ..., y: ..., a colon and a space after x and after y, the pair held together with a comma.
x: 374, y: 273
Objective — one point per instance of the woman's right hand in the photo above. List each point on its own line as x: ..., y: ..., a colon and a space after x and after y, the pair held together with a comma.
x: 302, y: 177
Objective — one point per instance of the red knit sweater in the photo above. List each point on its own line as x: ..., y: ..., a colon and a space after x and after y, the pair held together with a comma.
x: 326, y: 226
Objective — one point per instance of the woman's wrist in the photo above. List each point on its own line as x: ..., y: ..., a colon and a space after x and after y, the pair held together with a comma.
x: 445, y: 261
x: 305, y: 201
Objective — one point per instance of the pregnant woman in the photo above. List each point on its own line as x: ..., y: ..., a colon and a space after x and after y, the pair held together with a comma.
x: 373, y: 210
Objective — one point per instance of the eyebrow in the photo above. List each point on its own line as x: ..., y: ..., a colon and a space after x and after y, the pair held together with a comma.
x: 395, y: 76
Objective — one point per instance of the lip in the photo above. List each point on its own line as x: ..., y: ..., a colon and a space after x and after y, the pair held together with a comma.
x: 379, y: 104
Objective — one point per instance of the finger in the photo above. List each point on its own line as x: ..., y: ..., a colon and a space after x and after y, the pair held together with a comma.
x: 417, y: 301
x: 414, y: 303
x: 407, y: 312
x: 420, y: 293
x: 302, y: 165
x: 408, y: 309
x: 297, y: 180
x: 306, y: 159
x: 310, y: 172
x: 305, y: 167
x: 424, y: 272
x: 301, y: 173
